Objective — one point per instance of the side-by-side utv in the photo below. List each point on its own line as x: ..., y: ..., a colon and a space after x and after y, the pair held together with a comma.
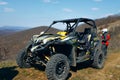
x: 58, y: 52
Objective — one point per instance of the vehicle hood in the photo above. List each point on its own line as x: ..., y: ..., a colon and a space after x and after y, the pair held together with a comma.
x: 44, y: 38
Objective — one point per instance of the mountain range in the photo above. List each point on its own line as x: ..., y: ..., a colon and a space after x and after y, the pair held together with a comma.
x: 4, y: 30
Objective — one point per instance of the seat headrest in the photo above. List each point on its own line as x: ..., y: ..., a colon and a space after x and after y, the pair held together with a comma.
x: 87, y: 30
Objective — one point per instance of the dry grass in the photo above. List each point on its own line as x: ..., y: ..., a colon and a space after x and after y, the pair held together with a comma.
x: 10, y: 71
x: 111, y: 70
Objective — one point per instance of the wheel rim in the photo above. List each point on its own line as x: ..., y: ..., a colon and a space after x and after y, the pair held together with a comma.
x: 60, y: 68
x: 26, y: 58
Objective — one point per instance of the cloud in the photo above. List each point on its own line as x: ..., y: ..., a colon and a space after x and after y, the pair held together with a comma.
x: 95, y: 9
x: 55, y: 2
x: 3, y: 3
x: 98, y: 0
x: 51, y: 1
x: 67, y: 10
x: 8, y: 9
x: 47, y: 1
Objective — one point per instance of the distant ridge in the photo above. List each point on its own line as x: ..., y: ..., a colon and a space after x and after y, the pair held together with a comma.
x: 6, y: 30
x: 13, y: 43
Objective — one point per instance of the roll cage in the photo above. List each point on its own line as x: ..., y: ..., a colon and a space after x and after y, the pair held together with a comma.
x: 75, y: 22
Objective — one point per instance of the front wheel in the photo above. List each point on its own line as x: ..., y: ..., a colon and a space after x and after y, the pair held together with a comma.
x: 58, y: 67
x: 22, y: 60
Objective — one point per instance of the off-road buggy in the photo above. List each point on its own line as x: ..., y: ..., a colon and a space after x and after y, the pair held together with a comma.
x: 58, y: 52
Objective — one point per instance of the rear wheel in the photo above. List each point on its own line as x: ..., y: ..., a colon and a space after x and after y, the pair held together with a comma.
x: 99, y: 59
x: 58, y: 67
x: 104, y: 48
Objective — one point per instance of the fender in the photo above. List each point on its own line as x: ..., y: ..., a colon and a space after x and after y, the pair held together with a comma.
x: 97, y: 47
x: 29, y: 44
x: 73, y: 57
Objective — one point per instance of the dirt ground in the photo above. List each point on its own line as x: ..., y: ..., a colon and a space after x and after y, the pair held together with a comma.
x: 111, y: 71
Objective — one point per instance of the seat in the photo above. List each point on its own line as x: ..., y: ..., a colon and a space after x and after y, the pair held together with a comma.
x: 85, y: 37
x: 87, y: 34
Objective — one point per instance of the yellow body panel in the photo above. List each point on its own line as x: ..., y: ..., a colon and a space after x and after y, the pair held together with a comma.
x: 63, y: 34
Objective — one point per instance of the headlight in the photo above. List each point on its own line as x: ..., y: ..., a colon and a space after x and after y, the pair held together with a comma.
x: 38, y: 41
x: 34, y: 38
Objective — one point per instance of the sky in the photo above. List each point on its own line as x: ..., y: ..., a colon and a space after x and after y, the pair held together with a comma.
x: 33, y: 13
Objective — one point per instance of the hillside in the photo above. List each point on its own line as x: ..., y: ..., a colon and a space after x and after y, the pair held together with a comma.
x: 7, y: 30
x: 10, y: 45
x: 114, y: 30
x: 113, y: 25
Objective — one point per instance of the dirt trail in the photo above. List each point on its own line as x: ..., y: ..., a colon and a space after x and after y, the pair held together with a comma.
x: 111, y: 71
